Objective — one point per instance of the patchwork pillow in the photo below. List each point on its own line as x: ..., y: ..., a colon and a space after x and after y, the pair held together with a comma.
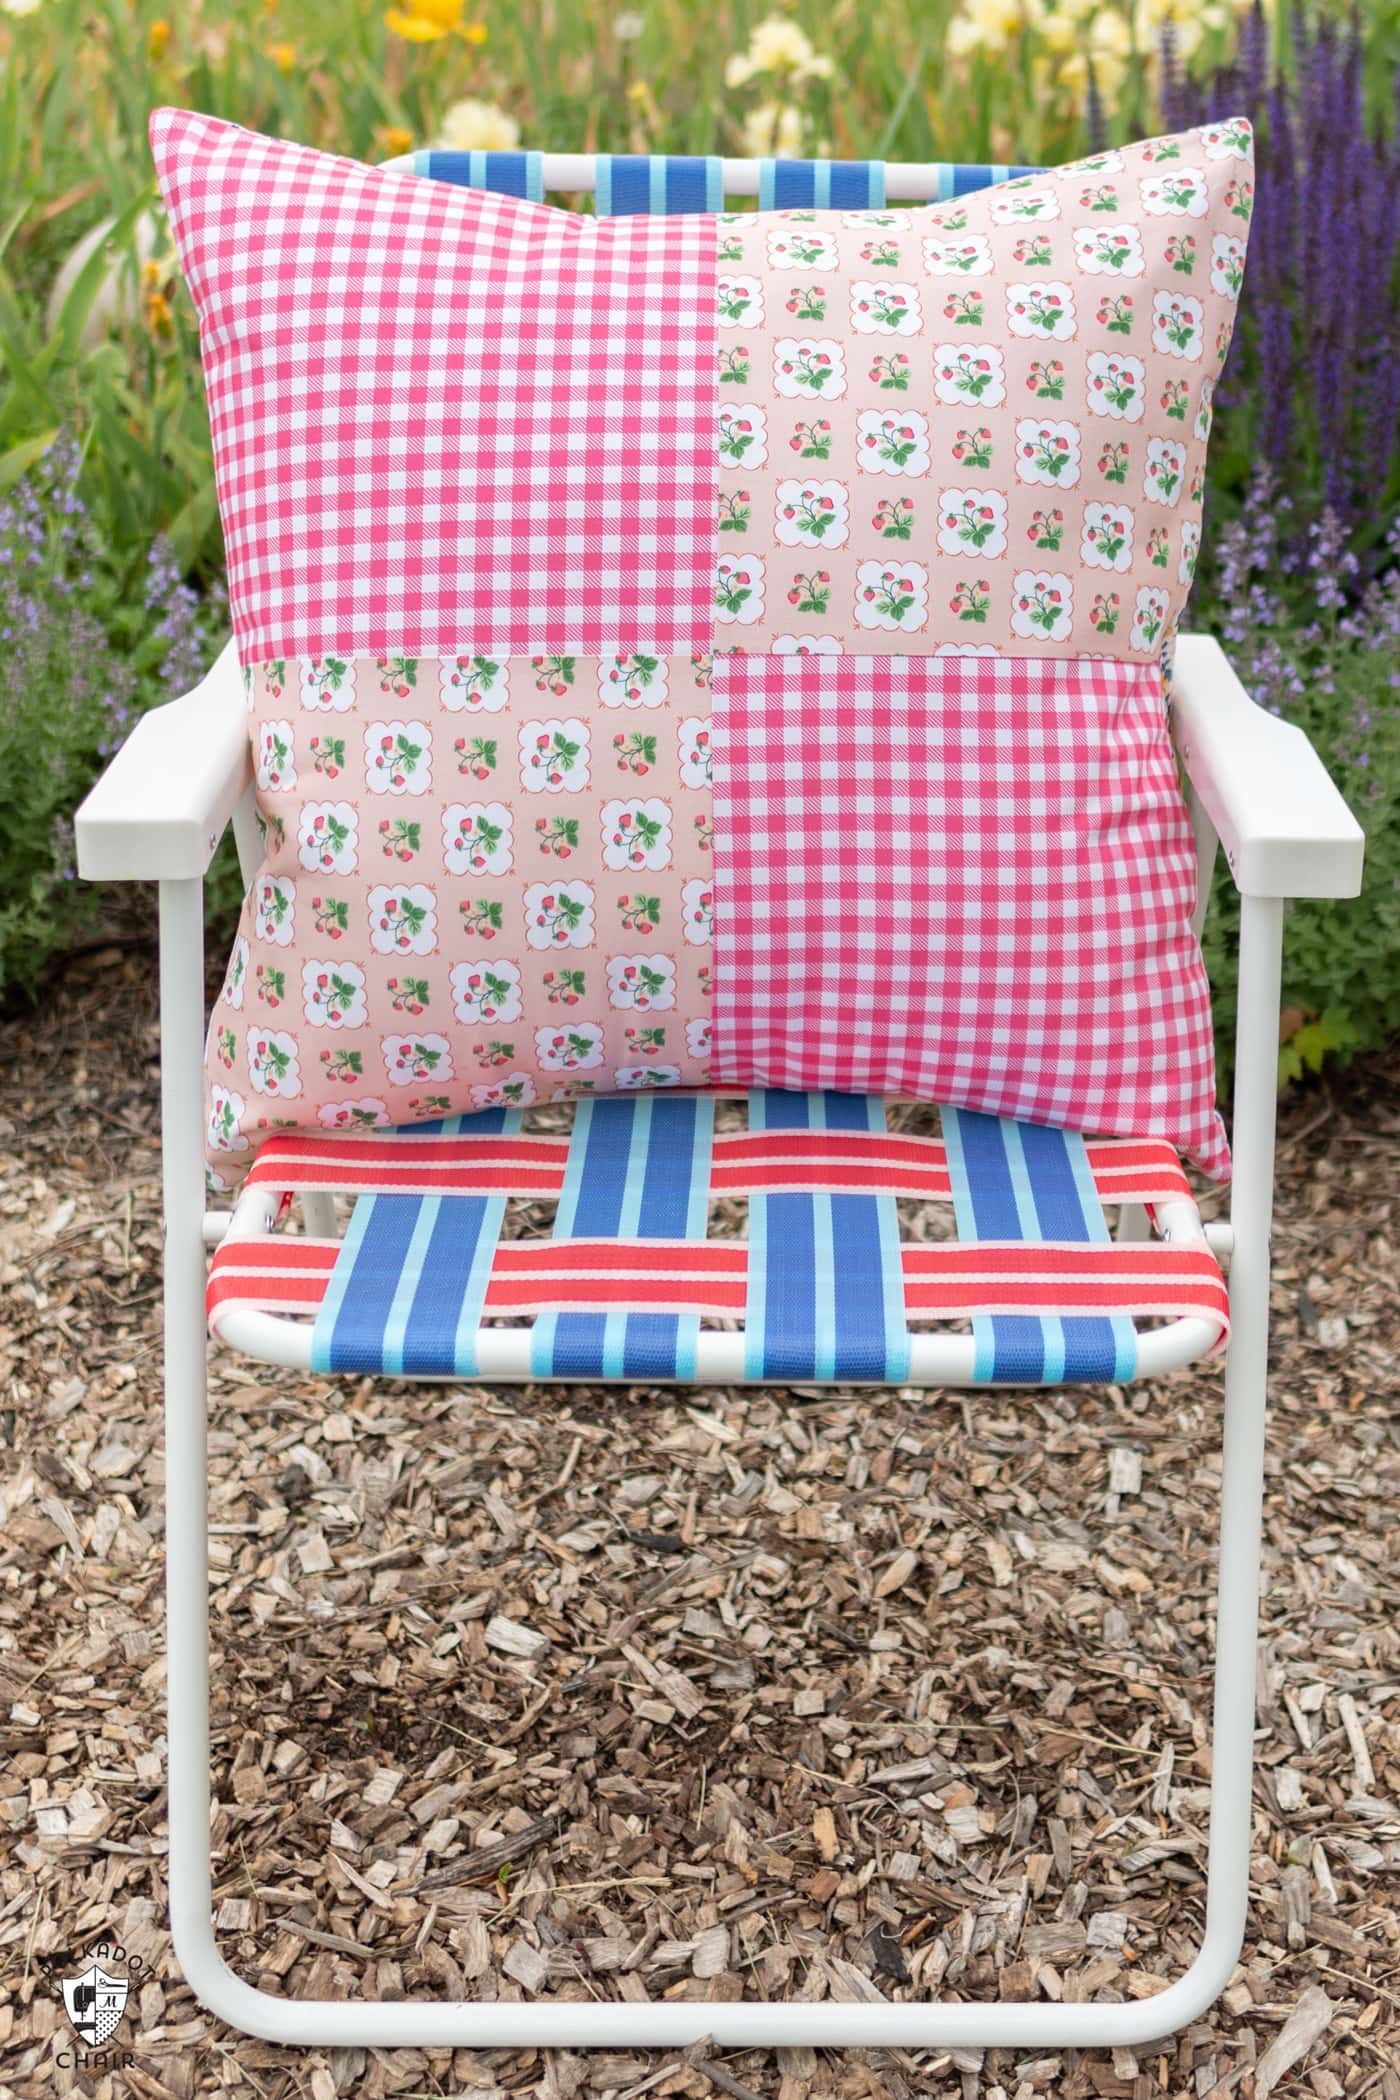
x: 710, y: 650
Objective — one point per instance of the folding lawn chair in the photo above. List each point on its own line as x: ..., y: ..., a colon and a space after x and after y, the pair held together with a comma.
x: 822, y: 1174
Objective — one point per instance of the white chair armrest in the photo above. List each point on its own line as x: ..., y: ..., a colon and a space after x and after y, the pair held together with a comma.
x: 1285, y: 828
x: 160, y: 808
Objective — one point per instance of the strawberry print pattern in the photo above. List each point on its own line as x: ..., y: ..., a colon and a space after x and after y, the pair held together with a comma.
x: 1058, y: 338
x: 488, y: 882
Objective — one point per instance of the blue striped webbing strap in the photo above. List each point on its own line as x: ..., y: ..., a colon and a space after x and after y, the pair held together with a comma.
x: 821, y: 185
x: 825, y: 1275
x: 961, y: 178
x: 638, y: 1169
x: 1020, y: 1181
x: 406, y: 1293
x: 508, y: 174
x: 662, y: 184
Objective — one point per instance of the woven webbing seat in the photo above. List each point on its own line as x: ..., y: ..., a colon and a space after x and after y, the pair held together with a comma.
x: 427, y: 1282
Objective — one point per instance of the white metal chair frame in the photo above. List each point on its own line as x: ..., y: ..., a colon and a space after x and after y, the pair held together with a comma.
x: 1255, y: 785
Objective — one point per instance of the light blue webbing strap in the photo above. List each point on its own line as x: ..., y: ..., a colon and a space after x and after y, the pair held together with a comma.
x: 825, y: 1296
x: 638, y: 1169
x: 409, y: 1283
x: 821, y: 185
x: 662, y: 184
x: 1020, y: 1181
x: 508, y: 174
x: 665, y: 183
x: 961, y: 178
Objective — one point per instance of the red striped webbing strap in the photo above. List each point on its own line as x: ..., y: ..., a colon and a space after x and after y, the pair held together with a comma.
x: 743, y: 1163
x: 942, y: 1280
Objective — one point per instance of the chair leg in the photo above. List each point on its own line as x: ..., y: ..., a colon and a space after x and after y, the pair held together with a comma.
x: 1242, y: 1460
x: 318, y: 1214
x: 465, y: 2024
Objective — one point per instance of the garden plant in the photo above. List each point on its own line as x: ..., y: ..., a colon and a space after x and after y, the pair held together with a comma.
x: 110, y: 554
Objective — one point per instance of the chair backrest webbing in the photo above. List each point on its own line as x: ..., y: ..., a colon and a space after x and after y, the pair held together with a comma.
x: 508, y: 174
x: 625, y: 183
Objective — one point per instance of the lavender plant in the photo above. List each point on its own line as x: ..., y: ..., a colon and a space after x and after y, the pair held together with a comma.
x: 1300, y: 571
x: 1313, y: 381
x: 85, y: 645
x: 1317, y: 644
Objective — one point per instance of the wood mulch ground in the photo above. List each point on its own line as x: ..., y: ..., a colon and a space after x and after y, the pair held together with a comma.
x: 561, y: 1692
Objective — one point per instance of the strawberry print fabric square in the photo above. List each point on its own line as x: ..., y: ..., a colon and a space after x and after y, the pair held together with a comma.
x: 961, y: 879
x: 486, y: 883
x: 983, y: 420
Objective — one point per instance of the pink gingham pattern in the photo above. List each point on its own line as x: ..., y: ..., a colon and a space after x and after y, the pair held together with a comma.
x: 966, y: 879
x: 444, y: 419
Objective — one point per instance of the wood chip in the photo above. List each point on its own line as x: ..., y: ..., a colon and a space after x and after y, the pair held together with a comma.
x: 527, y: 1964
x: 1361, y: 1756
x: 674, y: 1686
x: 1310, y: 2017
x: 896, y: 1574
x: 1124, y: 1470
x: 568, y: 1692
x: 513, y: 1639
x: 711, y: 1952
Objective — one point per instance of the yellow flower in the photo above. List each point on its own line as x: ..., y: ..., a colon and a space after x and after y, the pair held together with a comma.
x: 644, y: 110
x: 963, y: 38
x: 1001, y: 16
x: 773, y: 131
x: 471, y: 126
x: 157, y: 38
x: 1110, y: 71
x: 1109, y: 35
x: 395, y: 140
x: 283, y: 56
x: 1189, y: 23
x: 155, y: 307
x: 19, y: 7
x: 777, y: 46
x: 1055, y: 29
x: 984, y: 25
x: 425, y: 21
x: 1073, y: 77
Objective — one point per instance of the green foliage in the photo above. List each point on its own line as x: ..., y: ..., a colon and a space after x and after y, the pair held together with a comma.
x: 123, y: 500
x: 78, y: 79
x: 1338, y: 677
x: 88, y: 639
x: 1307, y: 1047
x: 49, y: 754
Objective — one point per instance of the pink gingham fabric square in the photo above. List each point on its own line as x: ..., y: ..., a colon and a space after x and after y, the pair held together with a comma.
x: 444, y: 419
x: 966, y: 879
